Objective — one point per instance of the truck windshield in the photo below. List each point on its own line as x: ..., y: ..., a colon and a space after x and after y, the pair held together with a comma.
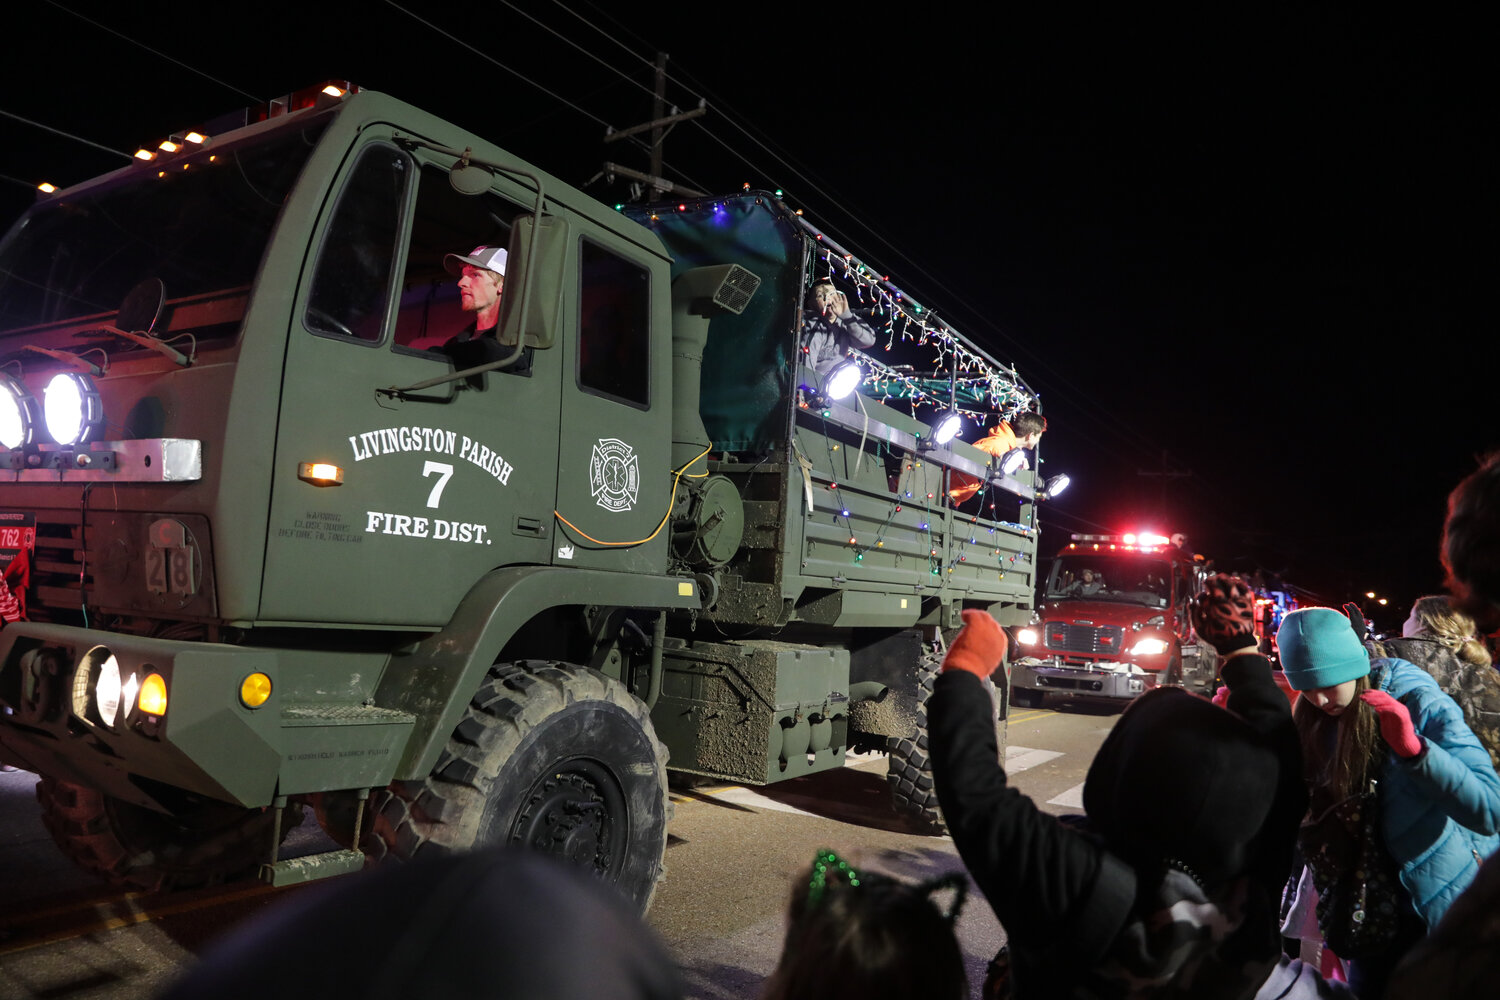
x: 1129, y: 579
x: 200, y: 222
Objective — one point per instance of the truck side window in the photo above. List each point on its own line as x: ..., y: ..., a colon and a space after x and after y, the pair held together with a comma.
x: 351, y: 287
x: 445, y: 222
x: 614, y: 326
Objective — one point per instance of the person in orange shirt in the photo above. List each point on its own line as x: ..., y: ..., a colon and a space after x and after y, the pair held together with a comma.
x: 1003, y: 438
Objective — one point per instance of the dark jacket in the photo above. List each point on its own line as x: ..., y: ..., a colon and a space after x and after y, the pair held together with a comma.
x: 1084, y: 920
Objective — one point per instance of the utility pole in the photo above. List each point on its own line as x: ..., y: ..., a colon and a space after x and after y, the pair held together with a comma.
x: 1166, y: 474
x: 660, y: 124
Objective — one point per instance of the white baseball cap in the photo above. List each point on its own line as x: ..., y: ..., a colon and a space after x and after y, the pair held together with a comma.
x: 488, y: 258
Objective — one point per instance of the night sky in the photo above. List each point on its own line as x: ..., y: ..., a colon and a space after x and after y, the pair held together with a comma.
x: 1252, y: 253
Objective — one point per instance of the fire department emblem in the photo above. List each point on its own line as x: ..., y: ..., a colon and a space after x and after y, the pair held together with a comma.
x: 614, y: 475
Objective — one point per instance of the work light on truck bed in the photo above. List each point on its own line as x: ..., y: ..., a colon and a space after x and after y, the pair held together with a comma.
x: 843, y: 380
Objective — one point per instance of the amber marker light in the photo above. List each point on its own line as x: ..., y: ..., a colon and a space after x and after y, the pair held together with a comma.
x: 255, y: 690
x: 320, y: 474
x: 46, y: 187
x: 333, y: 91
x: 196, y: 138
x: 153, y: 697
x: 144, y: 154
x: 168, y: 146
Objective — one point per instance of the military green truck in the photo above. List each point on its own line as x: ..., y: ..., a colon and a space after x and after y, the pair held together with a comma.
x: 268, y: 546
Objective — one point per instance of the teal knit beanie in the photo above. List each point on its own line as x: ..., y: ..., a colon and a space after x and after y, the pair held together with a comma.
x: 1319, y: 649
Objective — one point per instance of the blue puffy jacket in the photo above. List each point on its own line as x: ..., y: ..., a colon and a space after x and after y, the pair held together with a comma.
x: 1441, y: 808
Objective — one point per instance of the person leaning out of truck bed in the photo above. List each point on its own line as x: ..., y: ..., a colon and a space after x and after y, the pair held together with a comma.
x: 830, y: 327
x: 1021, y: 431
x: 481, y: 280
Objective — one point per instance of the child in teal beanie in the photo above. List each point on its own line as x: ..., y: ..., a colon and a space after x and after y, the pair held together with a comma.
x: 1388, y: 722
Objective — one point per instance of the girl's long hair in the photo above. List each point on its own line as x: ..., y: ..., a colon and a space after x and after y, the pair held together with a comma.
x: 1338, y: 752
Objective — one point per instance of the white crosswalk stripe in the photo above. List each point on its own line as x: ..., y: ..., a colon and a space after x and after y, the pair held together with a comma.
x: 1018, y: 759
x: 1072, y: 798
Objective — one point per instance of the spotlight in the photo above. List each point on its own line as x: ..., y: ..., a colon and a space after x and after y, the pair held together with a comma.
x: 947, y: 428
x: 843, y: 380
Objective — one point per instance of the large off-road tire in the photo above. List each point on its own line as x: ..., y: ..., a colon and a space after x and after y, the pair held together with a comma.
x: 551, y: 756
x: 204, y: 843
x: 909, y: 773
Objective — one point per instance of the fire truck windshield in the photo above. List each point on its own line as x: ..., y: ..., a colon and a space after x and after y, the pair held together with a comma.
x: 1126, y: 578
x: 199, y: 221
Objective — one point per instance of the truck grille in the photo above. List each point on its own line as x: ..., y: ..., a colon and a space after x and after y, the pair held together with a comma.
x: 1065, y: 637
x: 59, y: 573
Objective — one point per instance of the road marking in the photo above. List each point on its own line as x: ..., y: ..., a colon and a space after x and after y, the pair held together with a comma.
x: 1029, y: 715
x: 1072, y: 798
x: 1018, y: 759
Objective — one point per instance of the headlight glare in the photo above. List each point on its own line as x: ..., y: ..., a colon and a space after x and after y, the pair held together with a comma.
x: 1027, y: 637
x: 1148, y: 647
x: 107, y: 691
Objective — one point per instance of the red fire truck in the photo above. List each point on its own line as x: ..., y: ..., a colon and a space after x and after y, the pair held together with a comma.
x: 1113, y: 623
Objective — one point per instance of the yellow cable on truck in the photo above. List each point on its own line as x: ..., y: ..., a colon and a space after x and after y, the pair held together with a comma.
x: 671, y: 499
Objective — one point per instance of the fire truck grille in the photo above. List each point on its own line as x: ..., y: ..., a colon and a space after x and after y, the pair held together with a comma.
x: 59, y: 571
x: 1065, y: 637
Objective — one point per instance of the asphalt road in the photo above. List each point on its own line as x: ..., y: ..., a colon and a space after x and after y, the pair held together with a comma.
x: 732, y: 856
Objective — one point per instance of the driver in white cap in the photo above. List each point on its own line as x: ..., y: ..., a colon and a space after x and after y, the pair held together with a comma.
x: 481, y: 280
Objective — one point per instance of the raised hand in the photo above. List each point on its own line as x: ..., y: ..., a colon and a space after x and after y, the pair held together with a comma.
x: 980, y: 646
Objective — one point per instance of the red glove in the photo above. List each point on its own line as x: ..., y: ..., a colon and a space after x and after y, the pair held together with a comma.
x: 1395, y: 723
x: 980, y: 646
x: 1221, y: 697
x: 1224, y: 613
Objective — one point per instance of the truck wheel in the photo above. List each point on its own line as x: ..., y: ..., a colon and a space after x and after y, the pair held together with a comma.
x: 909, y: 773
x: 551, y: 756
x: 138, y: 848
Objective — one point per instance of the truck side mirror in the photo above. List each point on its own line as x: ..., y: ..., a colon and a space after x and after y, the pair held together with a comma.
x: 543, y: 316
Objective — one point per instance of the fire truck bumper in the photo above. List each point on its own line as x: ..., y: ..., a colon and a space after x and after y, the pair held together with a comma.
x: 1112, y: 680
x: 218, y: 723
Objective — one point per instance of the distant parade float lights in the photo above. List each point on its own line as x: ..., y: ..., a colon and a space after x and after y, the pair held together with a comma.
x: 71, y: 408
x: 18, y: 413
x: 843, y: 380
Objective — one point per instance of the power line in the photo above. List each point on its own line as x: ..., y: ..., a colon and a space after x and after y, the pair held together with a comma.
x: 161, y: 55
x: 66, y: 135
x: 556, y: 34
x: 491, y: 59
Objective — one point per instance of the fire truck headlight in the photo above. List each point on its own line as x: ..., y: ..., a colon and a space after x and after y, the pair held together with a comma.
x: 1027, y: 637
x: 17, y: 413
x: 108, y: 690
x: 72, y: 408
x: 1148, y: 647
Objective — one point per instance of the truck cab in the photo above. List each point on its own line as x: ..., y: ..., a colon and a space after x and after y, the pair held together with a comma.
x: 1113, y: 623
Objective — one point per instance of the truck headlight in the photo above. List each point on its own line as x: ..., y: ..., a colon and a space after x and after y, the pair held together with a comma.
x: 1027, y: 637
x: 1148, y: 647
x: 71, y: 408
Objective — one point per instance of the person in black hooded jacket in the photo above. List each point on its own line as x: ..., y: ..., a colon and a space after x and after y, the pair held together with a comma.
x: 1171, y: 886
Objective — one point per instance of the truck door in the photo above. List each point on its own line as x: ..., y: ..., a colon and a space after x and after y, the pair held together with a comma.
x: 614, y: 475
x: 429, y: 489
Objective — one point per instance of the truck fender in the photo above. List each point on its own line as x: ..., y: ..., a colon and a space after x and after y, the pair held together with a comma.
x: 434, y: 679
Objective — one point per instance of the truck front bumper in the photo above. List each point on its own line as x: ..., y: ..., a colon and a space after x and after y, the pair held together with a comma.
x: 207, y: 742
x: 1118, y: 681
